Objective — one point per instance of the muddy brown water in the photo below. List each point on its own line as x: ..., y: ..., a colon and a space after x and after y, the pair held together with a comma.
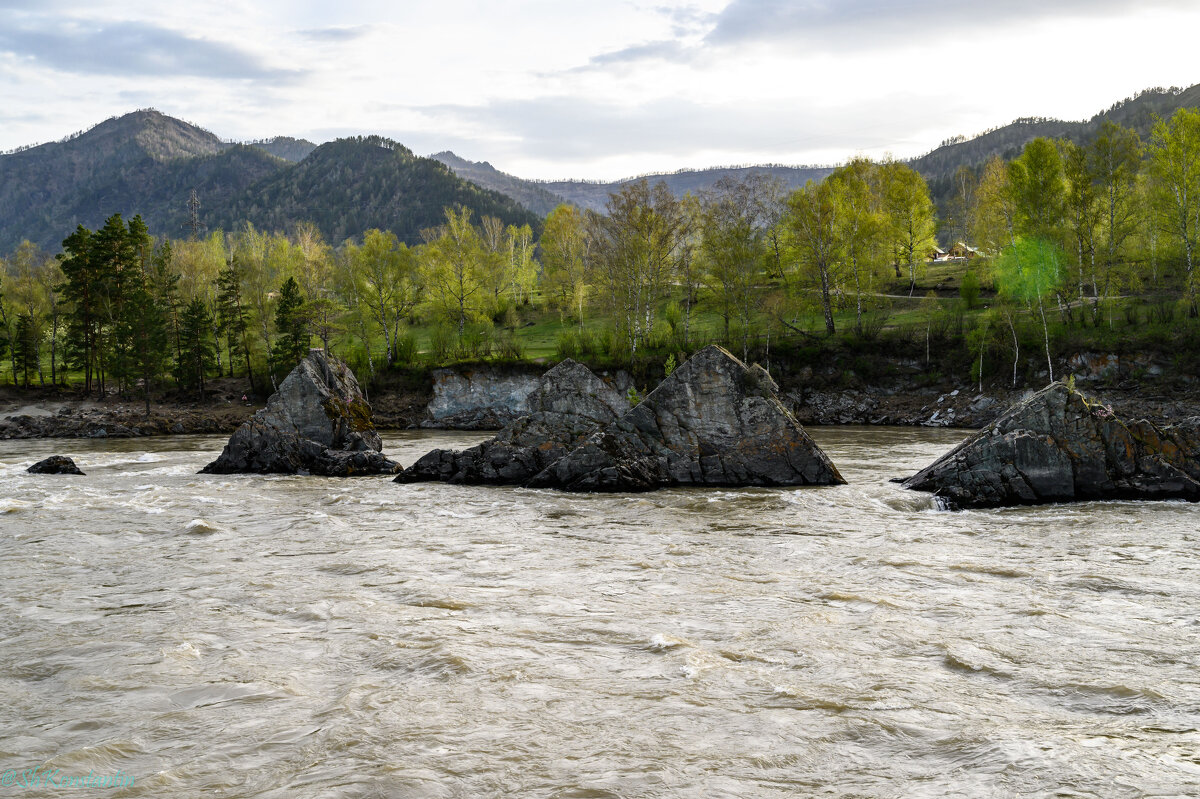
x: 246, y: 636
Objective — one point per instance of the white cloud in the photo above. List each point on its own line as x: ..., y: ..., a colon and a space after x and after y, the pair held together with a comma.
x: 549, y: 89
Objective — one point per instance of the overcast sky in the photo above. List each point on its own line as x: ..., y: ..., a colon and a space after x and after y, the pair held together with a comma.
x: 598, y: 89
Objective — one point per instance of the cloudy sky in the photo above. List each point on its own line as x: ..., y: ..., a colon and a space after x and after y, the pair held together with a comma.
x: 597, y: 89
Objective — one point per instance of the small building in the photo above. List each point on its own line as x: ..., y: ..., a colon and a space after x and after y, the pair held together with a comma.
x: 936, y: 254
x: 963, y: 251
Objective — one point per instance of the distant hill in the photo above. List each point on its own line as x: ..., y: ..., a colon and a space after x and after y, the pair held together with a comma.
x: 143, y: 162
x: 528, y: 193
x: 146, y: 162
x: 594, y: 194
x: 351, y: 185
x: 1137, y: 112
x: 285, y: 147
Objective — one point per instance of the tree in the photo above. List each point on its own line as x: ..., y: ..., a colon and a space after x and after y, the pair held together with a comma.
x: 195, y: 333
x: 144, y: 334
x: 1029, y: 271
x: 564, y: 245
x: 25, y: 348
x: 733, y: 252
x: 908, y: 214
x: 1037, y: 188
x: 233, y: 315
x: 1083, y: 212
x: 1116, y: 159
x: 636, y: 249
x: 80, y: 292
x: 382, y: 276
x: 454, y: 266
x: 291, y: 323
x: 861, y: 225
x: 993, y: 215
x: 812, y: 218
x: 1175, y: 180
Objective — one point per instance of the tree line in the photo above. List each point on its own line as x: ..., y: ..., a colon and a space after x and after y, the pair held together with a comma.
x: 1064, y: 229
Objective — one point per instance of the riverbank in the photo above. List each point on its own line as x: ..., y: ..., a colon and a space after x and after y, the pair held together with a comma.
x: 485, y: 397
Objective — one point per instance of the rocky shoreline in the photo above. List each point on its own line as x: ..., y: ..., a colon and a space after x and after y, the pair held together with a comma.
x: 487, y: 398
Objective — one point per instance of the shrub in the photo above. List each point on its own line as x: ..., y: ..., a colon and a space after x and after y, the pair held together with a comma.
x: 969, y: 289
x: 404, y: 350
x: 569, y: 344
x: 441, y: 343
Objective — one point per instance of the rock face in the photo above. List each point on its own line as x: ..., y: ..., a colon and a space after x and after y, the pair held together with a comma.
x: 316, y: 423
x: 1057, y: 446
x: 568, y: 404
x: 714, y: 421
x: 55, y: 464
x: 480, y: 399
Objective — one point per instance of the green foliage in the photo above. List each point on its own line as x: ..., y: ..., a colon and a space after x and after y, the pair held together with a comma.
x: 669, y: 365
x: 1029, y: 270
x: 442, y: 340
x: 405, y: 351
x: 196, y: 346
x: 291, y: 323
x: 968, y: 290
x: 633, y: 397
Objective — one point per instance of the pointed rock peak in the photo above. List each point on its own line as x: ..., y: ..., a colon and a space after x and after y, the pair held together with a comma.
x: 564, y: 386
x: 1057, y: 445
x: 318, y: 422
x: 713, y: 421
x: 569, y: 404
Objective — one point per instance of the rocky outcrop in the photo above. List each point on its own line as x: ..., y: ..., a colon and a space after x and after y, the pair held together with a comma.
x: 568, y: 404
x: 714, y: 421
x: 318, y: 422
x: 1058, y: 446
x: 478, y: 399
x: 55, y: 464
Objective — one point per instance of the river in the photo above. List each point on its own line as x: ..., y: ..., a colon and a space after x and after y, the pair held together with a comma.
x: 283, y: 637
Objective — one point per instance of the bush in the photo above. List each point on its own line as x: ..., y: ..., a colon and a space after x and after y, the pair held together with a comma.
x: 476, y: 341
x: 509, y: 347
x: 441, y: 343
x: 969, y: 289
x: 404, y: 350
x: 569, y: 344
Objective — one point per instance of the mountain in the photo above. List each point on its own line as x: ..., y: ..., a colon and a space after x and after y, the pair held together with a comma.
x: 351, y: 185
x: 594, y: 194
x: 144, y: 162
x: 528, y: 193
x: 1138, y: 112
x: 285, y: 147
x: 149, y: 163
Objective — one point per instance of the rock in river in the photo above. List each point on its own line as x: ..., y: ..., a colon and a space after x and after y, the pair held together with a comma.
x: 316, y: 423
x: 55, y: 464
x: 713, y: 421
x: 1058, y: 446
x: 568, y: 404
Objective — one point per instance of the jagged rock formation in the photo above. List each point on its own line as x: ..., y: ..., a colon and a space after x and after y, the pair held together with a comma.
x: 1057, y: 446
x: 55, y: 464
x: 316, y: 423
x: 714, y: 421
x: 568, y: 404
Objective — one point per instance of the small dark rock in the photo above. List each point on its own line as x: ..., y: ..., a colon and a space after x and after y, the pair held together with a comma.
x: 55, y: 464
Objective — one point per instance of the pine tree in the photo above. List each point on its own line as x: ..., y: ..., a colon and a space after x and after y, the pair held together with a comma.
x: 291, y: 323
x: 195, y: 331
x: 25, y: 348
x: 81, y: 293
x: 234, y: 321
